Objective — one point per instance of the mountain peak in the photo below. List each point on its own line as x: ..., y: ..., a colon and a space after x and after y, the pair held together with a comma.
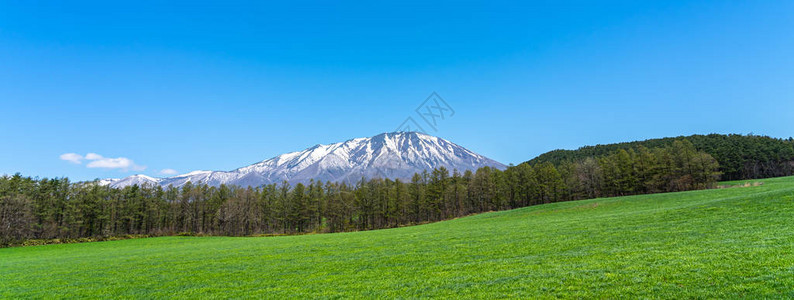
x: 393, y: 155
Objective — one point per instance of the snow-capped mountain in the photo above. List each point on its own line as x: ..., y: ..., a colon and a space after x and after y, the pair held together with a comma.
x: 388, y: 155
x: 132, y: 180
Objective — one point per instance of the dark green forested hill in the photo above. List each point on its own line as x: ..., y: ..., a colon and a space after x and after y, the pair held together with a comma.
x: 739, y: 156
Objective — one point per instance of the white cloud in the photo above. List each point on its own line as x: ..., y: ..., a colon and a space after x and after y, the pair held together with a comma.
x: 72, y: 158
x: 93, y: 156
x: 99, y: 161
x: 169, y: 172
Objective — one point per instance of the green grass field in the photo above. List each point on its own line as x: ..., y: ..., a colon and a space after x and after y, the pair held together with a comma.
x: 723, y: 243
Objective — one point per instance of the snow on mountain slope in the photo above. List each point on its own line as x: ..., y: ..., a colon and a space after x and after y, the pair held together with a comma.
x: 132, y: 180
x: 107, y: 181
x: 388, y: 155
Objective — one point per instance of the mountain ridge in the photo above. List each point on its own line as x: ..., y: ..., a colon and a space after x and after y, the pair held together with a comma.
x: 394, y: 155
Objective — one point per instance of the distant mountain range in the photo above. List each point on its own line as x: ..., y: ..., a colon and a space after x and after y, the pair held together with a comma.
x: 388, y: 155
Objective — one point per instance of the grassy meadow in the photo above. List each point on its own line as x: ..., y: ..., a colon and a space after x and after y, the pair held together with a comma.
x: 723, y: 243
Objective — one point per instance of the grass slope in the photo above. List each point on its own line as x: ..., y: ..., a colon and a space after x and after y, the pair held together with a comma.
x: 735, y: 242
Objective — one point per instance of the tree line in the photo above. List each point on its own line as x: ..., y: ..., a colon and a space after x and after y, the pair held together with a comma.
x: 740, y: 156
x: 45, y: 209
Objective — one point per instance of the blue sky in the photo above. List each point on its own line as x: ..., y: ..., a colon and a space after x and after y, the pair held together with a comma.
x: 221, y: 85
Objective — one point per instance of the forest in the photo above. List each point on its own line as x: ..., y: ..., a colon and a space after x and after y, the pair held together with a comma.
x: 36, y: 211
x: 740, y: 156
